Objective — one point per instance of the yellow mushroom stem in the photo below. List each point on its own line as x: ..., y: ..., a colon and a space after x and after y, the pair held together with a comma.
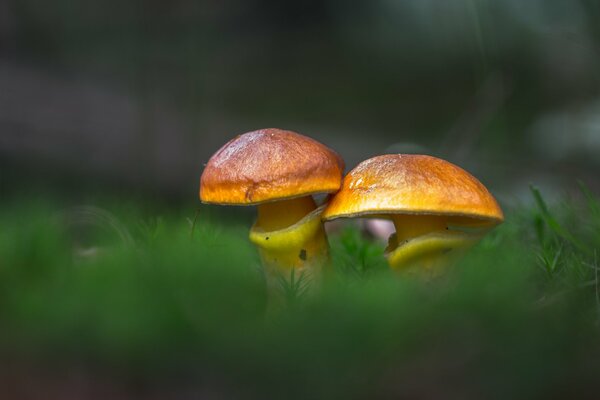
x: 291, y: 239
x: 425, y: 244
x: 284, y: 213
x: 411, y: 226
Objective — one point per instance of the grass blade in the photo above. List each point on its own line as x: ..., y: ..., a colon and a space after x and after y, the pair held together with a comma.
x: 554, y: 225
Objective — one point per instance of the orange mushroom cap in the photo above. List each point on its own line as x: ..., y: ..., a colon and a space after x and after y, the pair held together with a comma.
x: 413, y: 184
x: 269, y: 165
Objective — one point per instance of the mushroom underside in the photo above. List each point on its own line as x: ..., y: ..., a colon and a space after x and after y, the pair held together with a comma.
x: 431, y: 239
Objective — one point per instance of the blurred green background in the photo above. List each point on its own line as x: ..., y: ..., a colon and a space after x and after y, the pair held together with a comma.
x: 116, y: 283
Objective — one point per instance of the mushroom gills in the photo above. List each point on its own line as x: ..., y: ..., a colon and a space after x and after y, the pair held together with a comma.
x: 429, y: 241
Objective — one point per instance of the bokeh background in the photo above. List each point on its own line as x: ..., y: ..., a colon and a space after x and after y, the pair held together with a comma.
x: 115, y: 283
x: 135, y: 95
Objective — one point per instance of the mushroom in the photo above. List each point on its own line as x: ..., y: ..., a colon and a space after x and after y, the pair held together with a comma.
x: 437, y: 208
x: 279, y: 171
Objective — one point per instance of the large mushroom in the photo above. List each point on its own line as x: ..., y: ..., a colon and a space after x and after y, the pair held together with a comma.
x: 278, y: 171
x: 437, y: 208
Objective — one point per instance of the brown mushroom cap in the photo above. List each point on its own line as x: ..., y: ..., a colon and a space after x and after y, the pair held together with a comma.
x: 268, y: 165
x: 413, y: 184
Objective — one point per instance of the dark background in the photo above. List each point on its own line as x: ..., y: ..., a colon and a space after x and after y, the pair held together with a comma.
x: 135, y: 96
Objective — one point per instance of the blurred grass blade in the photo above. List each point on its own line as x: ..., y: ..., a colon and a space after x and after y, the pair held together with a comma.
x: 553, y: 224
x: 593, y: 204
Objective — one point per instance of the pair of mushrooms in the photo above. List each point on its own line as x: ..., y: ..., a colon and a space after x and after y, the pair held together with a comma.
x: 438, y: 209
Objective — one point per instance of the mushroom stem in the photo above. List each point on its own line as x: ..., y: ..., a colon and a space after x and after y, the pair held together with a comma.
x: 424, y: 244
x: 281, y: 214
x: 411, y: 226
x: 292, y: 244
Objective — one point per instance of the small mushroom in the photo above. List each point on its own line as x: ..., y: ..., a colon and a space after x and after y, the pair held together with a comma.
x: 279, y: 171
x: 437, y: 208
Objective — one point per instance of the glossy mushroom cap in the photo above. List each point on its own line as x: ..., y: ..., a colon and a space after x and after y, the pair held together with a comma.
x: 414, y: 185
x: 268, y: 165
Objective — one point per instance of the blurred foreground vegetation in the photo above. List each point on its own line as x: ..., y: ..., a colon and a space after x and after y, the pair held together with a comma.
x: 144, y: 301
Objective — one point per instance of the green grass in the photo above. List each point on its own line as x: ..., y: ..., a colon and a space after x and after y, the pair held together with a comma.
x: 166, y: 307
